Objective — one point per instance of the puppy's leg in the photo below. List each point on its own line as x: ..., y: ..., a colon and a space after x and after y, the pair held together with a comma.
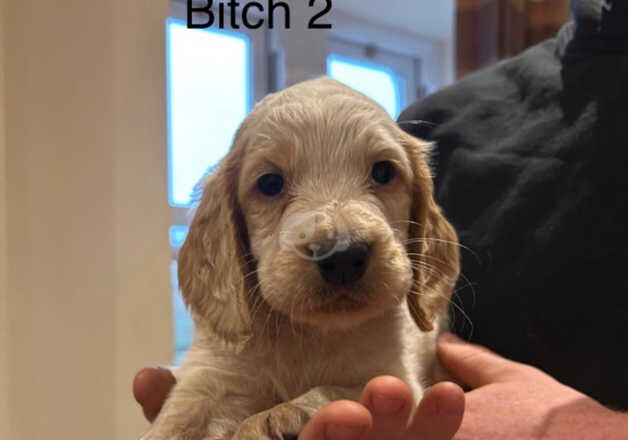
x: 203, y: 404
x: 289, y: 418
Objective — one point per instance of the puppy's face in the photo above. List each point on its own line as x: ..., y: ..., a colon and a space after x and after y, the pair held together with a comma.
x: 322, y: 210
x: 326, y: 192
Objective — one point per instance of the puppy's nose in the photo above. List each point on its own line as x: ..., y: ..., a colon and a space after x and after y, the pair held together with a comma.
x: 343, y: 267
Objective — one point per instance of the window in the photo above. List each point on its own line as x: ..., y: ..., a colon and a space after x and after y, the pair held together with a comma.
x: 182, y: 323
x: 389, y: 78
x: 211, y: 85
x: 209, y: 95
x: 376, y: 81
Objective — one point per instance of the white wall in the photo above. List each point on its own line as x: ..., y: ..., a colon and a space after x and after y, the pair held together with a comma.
x: 84, y: 176
x: 304, y: 50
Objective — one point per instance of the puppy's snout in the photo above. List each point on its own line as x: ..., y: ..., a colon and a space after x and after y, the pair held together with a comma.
x: 343, y: 266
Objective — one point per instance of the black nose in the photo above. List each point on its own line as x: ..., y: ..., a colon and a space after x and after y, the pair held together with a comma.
x: 343, y: 266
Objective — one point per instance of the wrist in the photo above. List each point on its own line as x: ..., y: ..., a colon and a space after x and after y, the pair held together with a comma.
x: 588, y: 419
x: 621, y: 420
x: 612, y: 424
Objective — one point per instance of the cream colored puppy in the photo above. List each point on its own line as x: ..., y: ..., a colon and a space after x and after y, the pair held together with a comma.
x: 316, y: 260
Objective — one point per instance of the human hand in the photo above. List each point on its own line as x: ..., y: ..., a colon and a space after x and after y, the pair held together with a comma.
x: 384, y: 411
x: 509, y: 400
x: 151, y: 387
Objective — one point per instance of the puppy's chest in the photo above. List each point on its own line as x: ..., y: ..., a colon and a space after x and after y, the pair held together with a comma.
x: 293, y: 370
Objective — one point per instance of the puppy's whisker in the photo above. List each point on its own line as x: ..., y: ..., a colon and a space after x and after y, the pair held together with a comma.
x: 434, y: 293
x: 456, y: 295
x: 440, y: 240
x: 420, y: 264
x: 291, y: 307
x: 430, y: 257
x: 251, y: 273
x: 259, y: 305
x: 406, y: 222
x: 258, y: 301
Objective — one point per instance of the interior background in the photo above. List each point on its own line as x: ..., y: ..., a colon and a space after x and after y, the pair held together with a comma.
x: 85, y: 296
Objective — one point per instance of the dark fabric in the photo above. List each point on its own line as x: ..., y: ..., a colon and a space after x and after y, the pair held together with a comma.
x: 531, y: 167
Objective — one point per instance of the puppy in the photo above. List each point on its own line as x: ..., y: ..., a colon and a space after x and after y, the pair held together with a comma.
x: 316, y: 260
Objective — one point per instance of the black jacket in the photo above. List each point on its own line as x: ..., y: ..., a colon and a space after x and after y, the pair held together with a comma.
x: 531, y: 167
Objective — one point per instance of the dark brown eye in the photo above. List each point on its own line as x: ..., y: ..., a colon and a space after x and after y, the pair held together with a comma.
x: 270, y: 184
x: 383, y: 172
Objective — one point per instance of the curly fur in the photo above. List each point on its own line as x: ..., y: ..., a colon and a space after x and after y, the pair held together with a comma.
x: 273, y: 341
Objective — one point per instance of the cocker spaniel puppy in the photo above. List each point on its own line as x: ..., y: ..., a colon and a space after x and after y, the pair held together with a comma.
x: 316, y: 260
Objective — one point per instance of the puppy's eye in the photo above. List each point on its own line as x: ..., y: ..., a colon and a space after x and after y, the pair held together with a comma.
x: 383, y: 172
x: 270, y: 184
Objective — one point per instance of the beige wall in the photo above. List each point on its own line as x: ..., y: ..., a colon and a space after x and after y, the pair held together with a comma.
x: 143, y: 310
x: 4, y: 337
x: 83, y: 172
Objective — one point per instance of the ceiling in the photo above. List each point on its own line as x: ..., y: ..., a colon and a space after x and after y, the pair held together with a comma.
x: 427, y: 18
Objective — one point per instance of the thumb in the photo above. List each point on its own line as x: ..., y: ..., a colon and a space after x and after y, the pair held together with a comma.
x: 473, y: 365
x: 151, y: 387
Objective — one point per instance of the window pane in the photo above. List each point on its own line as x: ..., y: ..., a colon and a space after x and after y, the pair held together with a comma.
x: 209, y: 81
x: 376, y: 81
x: 177, y: 235
x: 183, y: 325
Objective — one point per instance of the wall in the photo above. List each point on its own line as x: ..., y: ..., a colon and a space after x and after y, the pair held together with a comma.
x: 143, y: 308
x: 303, y: 51
x: 4, y: 327
x: 87, y: 289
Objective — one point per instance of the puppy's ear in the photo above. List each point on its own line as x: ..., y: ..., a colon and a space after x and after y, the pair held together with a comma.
x: 433, y: 243
x: 211, y: 262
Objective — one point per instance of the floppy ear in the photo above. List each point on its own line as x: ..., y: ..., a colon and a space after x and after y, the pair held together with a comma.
x: 433, y: 243
x: 211, y: 263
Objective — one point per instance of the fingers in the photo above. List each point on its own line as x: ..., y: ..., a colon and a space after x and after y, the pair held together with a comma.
x: 390, y: 402
x: 151, y: 386
x: 340, y: 420
x: 439, y: 414
x: 472, y: 365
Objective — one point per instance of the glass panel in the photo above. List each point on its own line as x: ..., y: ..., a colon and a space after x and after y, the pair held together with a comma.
x: 209, y: 94
x: 209, y: 82
x: 183, y: 325
x: 376, y: 81
x: 177, y: 235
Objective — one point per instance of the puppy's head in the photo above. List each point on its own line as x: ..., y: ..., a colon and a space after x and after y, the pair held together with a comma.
x: 323, y: 211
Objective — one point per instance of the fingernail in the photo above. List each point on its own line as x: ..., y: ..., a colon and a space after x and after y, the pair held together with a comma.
x: 387, y: 405
x: 450, y: 338
x: 337, y: 431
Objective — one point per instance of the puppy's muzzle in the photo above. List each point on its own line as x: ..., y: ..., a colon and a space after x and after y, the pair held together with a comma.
x: 343, y: 267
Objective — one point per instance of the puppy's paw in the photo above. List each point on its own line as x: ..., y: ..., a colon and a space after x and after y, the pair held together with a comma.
x: 154, y: 434
x: 279, y: 423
